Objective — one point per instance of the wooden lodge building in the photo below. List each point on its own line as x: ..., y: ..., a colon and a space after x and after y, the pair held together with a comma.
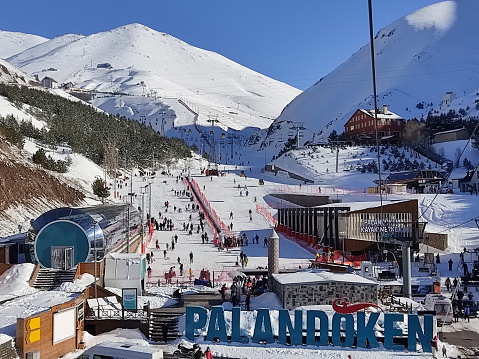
x: 361, y: 128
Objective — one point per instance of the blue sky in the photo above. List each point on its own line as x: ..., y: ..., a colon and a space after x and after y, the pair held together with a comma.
x: 294, y: 41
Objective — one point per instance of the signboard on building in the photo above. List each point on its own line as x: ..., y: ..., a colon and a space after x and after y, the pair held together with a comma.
x: 365, y: 226
x: 382, y: 225
x: 129, y: 298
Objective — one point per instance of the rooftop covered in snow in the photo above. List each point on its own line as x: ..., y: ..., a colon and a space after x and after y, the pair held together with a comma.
x: 318, y: 276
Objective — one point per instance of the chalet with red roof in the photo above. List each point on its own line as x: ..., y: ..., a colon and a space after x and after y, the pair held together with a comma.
x: 360, y: 127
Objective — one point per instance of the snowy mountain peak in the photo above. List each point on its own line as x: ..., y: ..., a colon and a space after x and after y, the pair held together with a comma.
x: 440, y: 16
x: 153, y: 72
x: 15, y: 42
x: 135, y: 27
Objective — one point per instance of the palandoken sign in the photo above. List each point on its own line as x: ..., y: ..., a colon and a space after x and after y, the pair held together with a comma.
x: 197, y: 317
x: 377, y: 225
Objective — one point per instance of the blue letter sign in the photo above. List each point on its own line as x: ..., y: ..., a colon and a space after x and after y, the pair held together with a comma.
x: 295, y: 333
x: 366, y: 331
x: 217, y: 325
x: 390, y: 332
x: 311, y: 328
x: 262, y: 317
x: 191, y: 323
x: 414, y: 327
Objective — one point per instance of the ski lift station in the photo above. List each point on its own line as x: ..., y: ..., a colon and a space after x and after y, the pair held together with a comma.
x: 64, y: 237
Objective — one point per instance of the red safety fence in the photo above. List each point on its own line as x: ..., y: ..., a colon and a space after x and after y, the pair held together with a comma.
x: 310, y: 243
x: 264, y: 210
x: 213, y: 220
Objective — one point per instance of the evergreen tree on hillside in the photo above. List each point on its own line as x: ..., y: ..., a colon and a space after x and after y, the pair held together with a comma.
x: 10, y: 128
x: 86, y: 130
x: 467, y: 164
x: 47, y: 162
x: 100, y: 190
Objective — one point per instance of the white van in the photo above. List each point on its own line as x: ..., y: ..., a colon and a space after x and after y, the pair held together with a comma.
x: 442, y: 305
x: 121, y: 350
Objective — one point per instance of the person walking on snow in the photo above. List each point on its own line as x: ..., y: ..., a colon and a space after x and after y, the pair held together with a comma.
x: 455, y: 312
x: 450, y: 264
x: 208, y: 354
x: 191, y: 257
x: 467, y: 313
x: 434, y: 346
x: 448, y: 283
x: 223, y: 292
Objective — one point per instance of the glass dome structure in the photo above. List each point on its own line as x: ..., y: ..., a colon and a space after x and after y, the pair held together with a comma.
x: 63, y: 237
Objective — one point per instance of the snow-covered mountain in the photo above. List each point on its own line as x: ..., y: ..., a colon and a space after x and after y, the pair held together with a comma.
x: 154, y: 70
x: 11, y: 75
x: 14, y: 42
x: 418, y: 59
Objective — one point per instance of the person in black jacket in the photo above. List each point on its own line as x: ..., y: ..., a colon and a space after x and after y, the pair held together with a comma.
x: 164, y: 329
x: 199, y: 354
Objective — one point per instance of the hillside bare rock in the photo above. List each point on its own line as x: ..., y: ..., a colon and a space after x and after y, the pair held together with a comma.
x: 27, y: 190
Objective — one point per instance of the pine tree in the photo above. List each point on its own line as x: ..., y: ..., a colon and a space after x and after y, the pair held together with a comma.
x: 100, y: 190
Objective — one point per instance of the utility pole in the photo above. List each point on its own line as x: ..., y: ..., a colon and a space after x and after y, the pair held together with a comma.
x: 128, y: 231
x: 149, y: 203
x: 94, y: 224
x: 142, y: 221
x: 153, y: 167
x: 143, y: 192
x: 131, y: 194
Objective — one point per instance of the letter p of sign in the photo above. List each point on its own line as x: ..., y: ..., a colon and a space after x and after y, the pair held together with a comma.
x: 195, y: 318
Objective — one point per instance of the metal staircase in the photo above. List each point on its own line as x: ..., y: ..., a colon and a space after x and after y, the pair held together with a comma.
x: 164, y: 322
x: 47, y: 278
x: 167, y: 318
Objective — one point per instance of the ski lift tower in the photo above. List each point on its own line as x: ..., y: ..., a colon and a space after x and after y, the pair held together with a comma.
x: 212, y: 169
x: 406, y: 235
x: 299, y: 127
x: 231, y: 141
x: 337, y: 145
